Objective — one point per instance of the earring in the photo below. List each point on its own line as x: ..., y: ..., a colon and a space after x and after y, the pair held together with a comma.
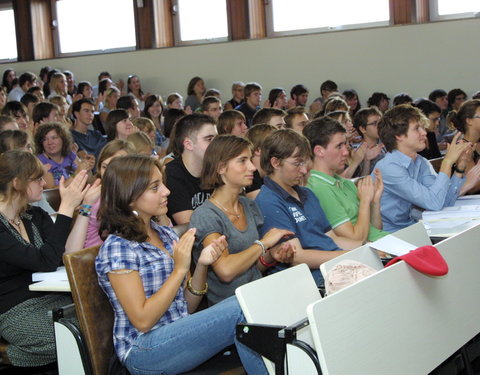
x: 135, y: 213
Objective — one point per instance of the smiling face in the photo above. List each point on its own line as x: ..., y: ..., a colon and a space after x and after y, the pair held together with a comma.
x: 52, y: 143
x: 155, y: 110
x: 199, y: 88
x: 124, y: 128
x: 153, y: 201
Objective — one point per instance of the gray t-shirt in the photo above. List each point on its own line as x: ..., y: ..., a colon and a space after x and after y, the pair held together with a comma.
x: 209, y: 219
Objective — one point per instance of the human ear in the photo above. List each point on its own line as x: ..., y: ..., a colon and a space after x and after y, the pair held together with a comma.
x: 319, y: 151
x: 188, y: 144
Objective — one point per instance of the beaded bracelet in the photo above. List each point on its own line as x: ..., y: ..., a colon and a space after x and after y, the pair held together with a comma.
x: 85, y: 210
x: 194, y: 291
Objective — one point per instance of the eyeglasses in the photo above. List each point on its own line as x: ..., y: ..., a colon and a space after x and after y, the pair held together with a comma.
x: 297, y: 164
x: 476, y: 116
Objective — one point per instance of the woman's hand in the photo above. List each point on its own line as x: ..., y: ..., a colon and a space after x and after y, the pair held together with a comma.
x: 87, y: 163
x: 274, y: 235
x: 73, y: 194
x: 283, y: 253
x: 213, y: 251
x: 93, y: 193
x: 455, y: 149
x: 472, y: 178
x: 182, y: 251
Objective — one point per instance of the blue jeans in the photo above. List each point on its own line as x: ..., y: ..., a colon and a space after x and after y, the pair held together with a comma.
x: 186, y: 343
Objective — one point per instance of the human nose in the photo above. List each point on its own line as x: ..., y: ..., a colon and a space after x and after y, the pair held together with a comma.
x: 251, y: 166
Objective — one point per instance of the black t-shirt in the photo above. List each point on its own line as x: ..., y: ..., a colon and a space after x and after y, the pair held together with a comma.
x: 256, y: 184
x: 185, y: 192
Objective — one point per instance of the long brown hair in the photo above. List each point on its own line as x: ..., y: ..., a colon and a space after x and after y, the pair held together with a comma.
x: 125, y: 180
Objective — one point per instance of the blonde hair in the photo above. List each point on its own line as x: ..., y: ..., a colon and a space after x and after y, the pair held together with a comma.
x: 141, y: 142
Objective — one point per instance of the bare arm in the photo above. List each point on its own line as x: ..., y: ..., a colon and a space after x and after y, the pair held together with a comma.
x: 344, y: 242
x: 312, y: 257
x: 182, y: 217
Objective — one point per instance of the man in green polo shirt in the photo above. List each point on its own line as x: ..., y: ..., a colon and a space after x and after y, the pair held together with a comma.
x: 353, y: 211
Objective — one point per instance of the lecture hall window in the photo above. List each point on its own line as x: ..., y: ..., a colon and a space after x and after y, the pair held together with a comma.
x: 200, y: 21
x: 448, y: 9
x: 7, y: 30
x: 286, y: 17
x: 94, y: 26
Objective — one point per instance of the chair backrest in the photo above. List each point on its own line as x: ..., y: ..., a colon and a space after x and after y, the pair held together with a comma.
x: 280, y: 299
x: 53, y: 198
x: 436, y: 163
x: 94, y: 311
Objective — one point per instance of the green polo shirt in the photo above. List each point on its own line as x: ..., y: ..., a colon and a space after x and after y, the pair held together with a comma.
x: 338, y: 198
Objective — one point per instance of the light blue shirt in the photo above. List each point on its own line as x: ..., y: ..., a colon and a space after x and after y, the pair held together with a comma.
x: 412, y: 182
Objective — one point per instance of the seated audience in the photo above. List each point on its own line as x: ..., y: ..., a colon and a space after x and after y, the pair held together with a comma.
x: 64, y: 113
x: 29, y: 101
x: 193, y: 134
x: 90, y: 236
x: 152, y: 314
x: 53, y: 145
x: 142, y: 144
x: 296, y: 119
x: 353, y: 211
x: 298, y: 96
x: 119, y: 125
x: 195, y: 91
x: 3, y: 97
x: 45, y: 112
x: 455, y: 98
x: 286, y: 205
x: 277, y: 98
x: 110, y: 103
x: 134, y: 89
x: 9, y: 76
x: 467, y: 121
x: 227, y: 169
x: 175, y: 100
x: 253, y: 98
x: 237, y: 96
x: 88, y: 140
x: 256, y: 135
x: 232, y: 122
x: 432, y: 113
x: 365, y: 123
x: 211, y: 106
x: 351, y: 97
x: 14, y: 139
x: 58, y: 86
x: 380, y: 100
x: 130, y: 104
x: 271, y: 116
x: 31, y: 242
x: 402, y: 98
x: 409, y: 178
x: 25, y: 81
x: 37, y: 91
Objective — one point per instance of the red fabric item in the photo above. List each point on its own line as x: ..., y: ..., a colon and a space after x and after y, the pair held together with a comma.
x: 425, y: 259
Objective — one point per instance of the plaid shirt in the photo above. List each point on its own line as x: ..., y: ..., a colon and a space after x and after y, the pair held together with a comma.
x: 154, y: 267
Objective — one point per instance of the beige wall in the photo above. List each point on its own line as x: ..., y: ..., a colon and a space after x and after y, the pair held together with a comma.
x: 414, y: 58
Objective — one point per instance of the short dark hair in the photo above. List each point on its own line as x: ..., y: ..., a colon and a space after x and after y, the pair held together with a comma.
x: 42, y: 110
x: 452, y: 94
x: 104, y: 75
x: 251, y: 87
x: 376, y: 98
x: 188, y: 126
x: 264, y: 115
x: 29, y: 98
x: 298, y: 90
x: 319, y: 132
x: 437, y: 93
x: 207, y: 101
x: 291, y: 113
x: 282, y: 144
x: 402, y: 98
x: 26, y: 77
x: 426, y: 106
x: 222, y: 149
x: 361, y: 117
x: 395, y: 122
x: 125, y: 102
x: 77, y: 106
x: 257, y: 134
x: 328, y: 85
x: 14, y: 109
x: 466, y: 111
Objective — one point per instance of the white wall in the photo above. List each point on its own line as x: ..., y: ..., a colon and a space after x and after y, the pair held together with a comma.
x: 412, y: 58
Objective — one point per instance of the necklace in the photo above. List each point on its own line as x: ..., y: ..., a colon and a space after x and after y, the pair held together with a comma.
x: 235, y: 215
x: 15, y: 221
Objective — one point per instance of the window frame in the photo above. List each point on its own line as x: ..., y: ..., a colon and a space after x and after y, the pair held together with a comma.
x: 8, y: 5
x: 435, y: 17
x: 177, y: 33
x: 56, y: 40
x: 271, y: 33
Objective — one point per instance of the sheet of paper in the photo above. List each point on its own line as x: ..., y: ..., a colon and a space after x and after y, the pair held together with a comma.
x: 392, y: 245
x: 59, y: 275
